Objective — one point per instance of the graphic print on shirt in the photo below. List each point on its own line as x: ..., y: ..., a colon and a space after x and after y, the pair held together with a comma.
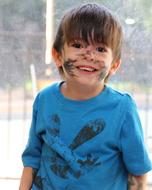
x: 55, y: 120
x: 37, y: 180
x: 64, y: 161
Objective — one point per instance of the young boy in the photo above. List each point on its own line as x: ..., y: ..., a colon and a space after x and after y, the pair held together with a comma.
x: 85, y: 135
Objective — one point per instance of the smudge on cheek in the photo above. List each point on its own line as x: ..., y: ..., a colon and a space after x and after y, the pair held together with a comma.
x: 81, y: 56
x: 97, y: 62
x: 69, y: 66
x: 103, y: 73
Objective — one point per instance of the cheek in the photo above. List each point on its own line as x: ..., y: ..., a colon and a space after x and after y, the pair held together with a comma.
x: 104, y: 63
x: 105, y: 57
x: 102, y: 75
x: 68, y: 66
x: 104, y: 72
x: 71, y: 55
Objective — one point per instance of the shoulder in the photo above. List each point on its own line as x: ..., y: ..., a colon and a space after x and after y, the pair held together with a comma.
x: 123, y: 102
x: 122, y: 97
x: 46, y: 93
x: 47, y: 90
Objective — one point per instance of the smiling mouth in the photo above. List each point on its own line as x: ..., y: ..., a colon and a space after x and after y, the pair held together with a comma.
x: 86, y: 68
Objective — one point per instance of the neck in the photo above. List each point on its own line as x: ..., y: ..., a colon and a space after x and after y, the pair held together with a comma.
x: 80, y: 92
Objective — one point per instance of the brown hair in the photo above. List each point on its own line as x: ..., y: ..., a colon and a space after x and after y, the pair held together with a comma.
x: 90, y: 22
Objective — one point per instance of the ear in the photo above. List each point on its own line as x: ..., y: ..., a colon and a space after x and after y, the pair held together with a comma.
x: 57, y: 57
x: 115, y: 66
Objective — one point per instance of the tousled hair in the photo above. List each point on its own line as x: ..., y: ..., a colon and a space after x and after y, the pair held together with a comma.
x: 92, y: 23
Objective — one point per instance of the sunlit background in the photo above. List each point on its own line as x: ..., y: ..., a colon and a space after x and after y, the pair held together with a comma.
x: 26, y: 33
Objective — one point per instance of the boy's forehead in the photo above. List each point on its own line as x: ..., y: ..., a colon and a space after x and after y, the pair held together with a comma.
x: 89, y: 37
x: 100, y: 27
x: 84, y: 42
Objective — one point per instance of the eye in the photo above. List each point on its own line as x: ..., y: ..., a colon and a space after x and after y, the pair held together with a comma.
x: 76, y: 45
x: 101, y: 49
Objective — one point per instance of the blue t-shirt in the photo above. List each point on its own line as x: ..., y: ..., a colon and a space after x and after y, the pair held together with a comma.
x: 85, y: 145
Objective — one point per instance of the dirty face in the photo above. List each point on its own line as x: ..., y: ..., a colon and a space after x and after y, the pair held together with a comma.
x: 88, y: 63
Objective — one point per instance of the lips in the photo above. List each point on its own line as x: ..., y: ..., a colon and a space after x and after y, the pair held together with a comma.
x: 86, y: 68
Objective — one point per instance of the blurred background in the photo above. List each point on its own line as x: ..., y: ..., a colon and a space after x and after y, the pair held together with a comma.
x: 27, y: 29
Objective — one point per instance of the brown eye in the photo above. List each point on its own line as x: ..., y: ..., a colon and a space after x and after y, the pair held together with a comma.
x: 101, y: 49
x: 76, y: 45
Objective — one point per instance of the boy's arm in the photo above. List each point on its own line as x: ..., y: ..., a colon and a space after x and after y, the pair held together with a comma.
x: 27, y: 178
x: 137, y: 182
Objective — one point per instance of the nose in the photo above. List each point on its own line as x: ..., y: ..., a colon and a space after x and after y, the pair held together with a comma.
x: 89, y: 48
x: 90, y: 54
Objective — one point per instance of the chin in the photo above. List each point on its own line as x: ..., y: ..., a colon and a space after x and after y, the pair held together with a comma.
x: 88, y: 83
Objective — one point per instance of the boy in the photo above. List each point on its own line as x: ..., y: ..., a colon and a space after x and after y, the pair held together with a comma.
x: 85, y: 135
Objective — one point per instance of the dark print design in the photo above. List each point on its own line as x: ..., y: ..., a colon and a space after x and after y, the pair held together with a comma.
x: 37, y: 180
x: 54, y: 129
x: 55, y: 118
x: 60, y: 170
x: 63, y: 160
x: 89, y: 131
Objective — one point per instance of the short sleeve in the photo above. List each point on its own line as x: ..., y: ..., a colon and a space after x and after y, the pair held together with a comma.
x: 134, y: 152
x: 32, y: 153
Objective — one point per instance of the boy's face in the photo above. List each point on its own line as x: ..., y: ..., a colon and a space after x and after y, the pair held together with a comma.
x: 86, y: 63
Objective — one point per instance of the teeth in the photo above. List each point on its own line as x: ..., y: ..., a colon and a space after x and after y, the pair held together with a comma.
x: 87, y: 69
